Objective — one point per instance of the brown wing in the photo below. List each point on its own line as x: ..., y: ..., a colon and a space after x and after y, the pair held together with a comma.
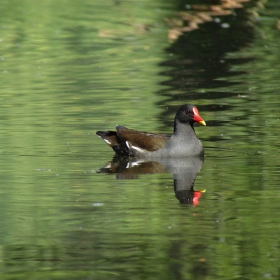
x: 148, y: 141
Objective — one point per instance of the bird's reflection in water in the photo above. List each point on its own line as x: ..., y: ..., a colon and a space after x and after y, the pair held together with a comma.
x: 184, y: 172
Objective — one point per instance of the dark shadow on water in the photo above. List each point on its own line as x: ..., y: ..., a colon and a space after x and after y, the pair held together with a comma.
x: 199, y: 68
x: 184, y: 171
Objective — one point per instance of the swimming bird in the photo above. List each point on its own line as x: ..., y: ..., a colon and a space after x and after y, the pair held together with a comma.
x: 182, y: 143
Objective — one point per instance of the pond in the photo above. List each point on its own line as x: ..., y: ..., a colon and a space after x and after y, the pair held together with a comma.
x: 70, y: 208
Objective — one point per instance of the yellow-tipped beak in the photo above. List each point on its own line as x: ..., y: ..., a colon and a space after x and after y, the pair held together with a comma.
x: 202, y: 122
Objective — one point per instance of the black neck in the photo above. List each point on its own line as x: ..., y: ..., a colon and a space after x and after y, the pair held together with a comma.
x: 178, y: 126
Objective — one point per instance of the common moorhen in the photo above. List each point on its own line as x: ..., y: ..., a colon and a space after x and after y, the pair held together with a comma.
x: 182, y: 143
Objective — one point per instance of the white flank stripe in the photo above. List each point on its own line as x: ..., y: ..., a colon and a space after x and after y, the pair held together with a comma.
x: 127, y: 144
x: 107, y: 141
x: 137, y: 149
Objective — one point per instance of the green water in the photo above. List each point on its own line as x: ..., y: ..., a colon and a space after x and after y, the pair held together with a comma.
x: 70, y: 68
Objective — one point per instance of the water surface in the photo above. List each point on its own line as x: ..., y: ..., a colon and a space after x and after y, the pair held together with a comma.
x: 69, y: 69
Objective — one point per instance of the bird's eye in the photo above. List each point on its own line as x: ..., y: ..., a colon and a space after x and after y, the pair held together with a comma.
x: 188, y: 111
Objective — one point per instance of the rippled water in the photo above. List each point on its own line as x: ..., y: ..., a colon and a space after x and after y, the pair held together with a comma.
x: 70, y: 210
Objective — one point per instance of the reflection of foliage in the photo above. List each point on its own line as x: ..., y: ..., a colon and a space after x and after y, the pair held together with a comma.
x: 137, y: 28
x: 278, y: 24
x: 198, y: 15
